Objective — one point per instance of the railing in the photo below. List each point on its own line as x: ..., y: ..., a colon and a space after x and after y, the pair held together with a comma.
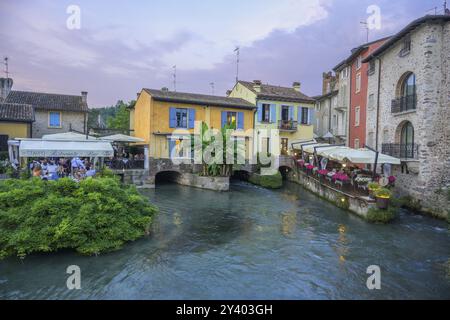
x: 405, y: 103
x: 401, y: 151
x: 119, y: 164
x: 287, y: 125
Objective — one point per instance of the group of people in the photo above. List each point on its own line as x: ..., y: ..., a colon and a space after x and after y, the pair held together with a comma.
x: 55, y: 168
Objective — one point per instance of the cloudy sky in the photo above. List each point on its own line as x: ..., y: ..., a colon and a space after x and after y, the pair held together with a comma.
x: 123, y: 46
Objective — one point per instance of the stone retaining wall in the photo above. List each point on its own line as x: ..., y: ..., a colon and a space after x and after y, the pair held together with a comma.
x: 209, y: 183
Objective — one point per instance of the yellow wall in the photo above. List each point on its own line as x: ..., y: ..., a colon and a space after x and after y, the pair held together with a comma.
x: 15, y: 129
x: 151, y: 121
x: 132, y: 121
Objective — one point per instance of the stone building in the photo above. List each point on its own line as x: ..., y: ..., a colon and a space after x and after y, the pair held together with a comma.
x: 409, y: 117
x: 53, y: 113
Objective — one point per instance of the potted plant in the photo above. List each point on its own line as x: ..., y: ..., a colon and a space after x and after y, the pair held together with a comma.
x: 383, y: 195
x: 309, y: 168
x: 373, y: 186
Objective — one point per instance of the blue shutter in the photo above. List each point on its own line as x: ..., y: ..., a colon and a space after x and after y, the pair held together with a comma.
x: 240, y: 120
x: 273, y: 113
x: 260, y: 110
x: 312, y: 116
x: 291, y: 113
x: 172, y: 117
x: 191, y: 118
x: 224, y: 118
x: 299, y: 115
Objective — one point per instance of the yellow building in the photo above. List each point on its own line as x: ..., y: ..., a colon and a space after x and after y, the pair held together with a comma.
x: 164, y: 118
x: 286, y: 109
x: 15, y: 122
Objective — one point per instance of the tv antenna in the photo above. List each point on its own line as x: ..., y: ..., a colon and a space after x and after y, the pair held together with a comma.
x: 212, y: 87
x: 366, y: 26
x: 5, y: 62
x: 237, y: 50
x: 174, y: 75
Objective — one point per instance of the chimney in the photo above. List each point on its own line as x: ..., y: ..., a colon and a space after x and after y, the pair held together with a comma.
x: 257, y: 85
x: 137, y: 95
x: 5, y: 87
x: 165, y: 89
x: 228, y: 93
x: 297, y: 86
x: 84, y: 96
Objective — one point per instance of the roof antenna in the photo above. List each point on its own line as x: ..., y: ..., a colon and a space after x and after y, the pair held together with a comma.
x: 174, y: 78
x: 212, y: 87
x: 6, y: 67
x: 367, y: 29
x: 237, y: 50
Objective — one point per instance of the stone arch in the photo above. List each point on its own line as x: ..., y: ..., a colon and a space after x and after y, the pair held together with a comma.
x: 167, y: 176
x: 399, y: 129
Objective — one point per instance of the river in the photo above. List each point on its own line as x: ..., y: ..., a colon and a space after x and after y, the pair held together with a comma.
x: 249, y: 243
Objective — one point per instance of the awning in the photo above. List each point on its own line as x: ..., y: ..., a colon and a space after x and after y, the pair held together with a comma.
x: 54, y: 148
x: 360, y: 156
x: 67, y: 136
x: 122, y: 138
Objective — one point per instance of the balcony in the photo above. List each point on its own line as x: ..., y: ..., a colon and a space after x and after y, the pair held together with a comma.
x: 402, y: 104
x: 287, y: 125
x: 408, y: 151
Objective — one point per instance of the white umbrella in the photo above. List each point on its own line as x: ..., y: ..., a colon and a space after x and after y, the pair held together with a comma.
x: 122, y: 138
x: 360, y: 156
x: 72, y: 136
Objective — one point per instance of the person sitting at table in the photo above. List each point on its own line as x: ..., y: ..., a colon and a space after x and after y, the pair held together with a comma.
x: 52, y: 169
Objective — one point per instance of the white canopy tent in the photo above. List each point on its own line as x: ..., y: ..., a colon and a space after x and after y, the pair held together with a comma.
x: 58, y: 148
x: 71, y: 136
x: 122, y: 138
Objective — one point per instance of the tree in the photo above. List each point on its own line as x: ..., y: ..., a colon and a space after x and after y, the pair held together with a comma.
x: 121, y: 118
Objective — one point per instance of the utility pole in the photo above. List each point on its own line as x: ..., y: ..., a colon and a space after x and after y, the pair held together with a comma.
x: 174, y: 78
x: 237, y: 63
x: 212, y: 87
x: 367, y: 29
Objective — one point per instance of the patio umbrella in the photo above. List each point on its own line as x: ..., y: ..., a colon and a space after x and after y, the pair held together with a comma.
x: 122, y: 138
x: 328, y: 136
x: 72, y: 136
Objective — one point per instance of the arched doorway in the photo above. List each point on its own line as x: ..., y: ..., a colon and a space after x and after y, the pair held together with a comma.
x: 407, y: 141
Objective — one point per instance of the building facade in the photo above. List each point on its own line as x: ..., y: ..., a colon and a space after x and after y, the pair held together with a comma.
x: 164, y: 119
x: 15, y: 122
x: 278, y: 108
x: 53, y: 113
x: 410, y: 115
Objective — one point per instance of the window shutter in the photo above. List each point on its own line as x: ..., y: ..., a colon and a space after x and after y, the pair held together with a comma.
x: 171, y: 147
x: 312, y: 116
x: 191, y: 118
x: 260, y: 111
x: 273, y: 113
x: 224, y: 118
x: 299, y: 115
x: 172, y: 117
x: 240, y: 120
x: 291, y: 113
x: 309, y: 116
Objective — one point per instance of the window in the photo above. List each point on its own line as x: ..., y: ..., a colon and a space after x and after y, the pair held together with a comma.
x: 181, y: 115
x: 357, y: 116
x: 371, y: 101
x: 231, y: 118
x: 304, y: 115
x: 358, y: 82
x: 4, y: 142
x: 409, y: 85
x: 335, y: 124
x: 356, y: 144
x: 407, y: 141
x: 358, y: 62
x: 284, y: 146
x: 266, y: 113
x: 285, y: 113
x: 371, y: 69
x: 54, y: 119
x: 406, y: 48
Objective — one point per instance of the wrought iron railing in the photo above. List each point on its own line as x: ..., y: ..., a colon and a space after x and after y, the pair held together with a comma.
x: 405, y: 103
x: 119, y: 164
x: 401, y: 151
x: 287, y: 124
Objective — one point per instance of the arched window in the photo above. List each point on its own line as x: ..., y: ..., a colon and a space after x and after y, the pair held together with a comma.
x: 407, y: 141
x: 408, y: 92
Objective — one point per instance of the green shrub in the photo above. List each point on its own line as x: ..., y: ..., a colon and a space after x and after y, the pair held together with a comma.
x: 381, y: 216
x: 267, y: 181
x: 407, y: 202
x: 92, y: 216
x: 105, y: 172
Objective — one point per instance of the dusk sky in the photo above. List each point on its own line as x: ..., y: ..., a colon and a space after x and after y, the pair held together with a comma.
x: 123, y: 46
